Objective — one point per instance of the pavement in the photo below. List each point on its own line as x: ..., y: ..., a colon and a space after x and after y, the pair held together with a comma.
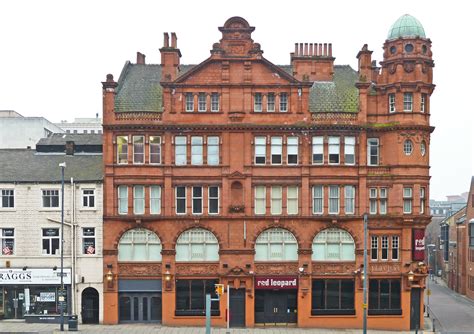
x: 450, y: 312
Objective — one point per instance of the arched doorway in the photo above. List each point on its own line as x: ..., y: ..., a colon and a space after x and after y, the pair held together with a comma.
x: 90, y: 306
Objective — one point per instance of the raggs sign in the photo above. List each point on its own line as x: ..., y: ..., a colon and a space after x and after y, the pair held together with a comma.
x: 33, y: 276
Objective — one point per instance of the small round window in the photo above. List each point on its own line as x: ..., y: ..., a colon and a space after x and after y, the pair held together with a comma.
x: 409, y: 47
x: 408, y: 147
x: 423, y: 148
x: 424, y: 49
x: 393, y: 50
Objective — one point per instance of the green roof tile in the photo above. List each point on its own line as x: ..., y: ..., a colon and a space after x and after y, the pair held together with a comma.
x: 406, y: 26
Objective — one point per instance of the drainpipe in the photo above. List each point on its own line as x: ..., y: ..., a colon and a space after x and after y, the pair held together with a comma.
x: 73, y: 249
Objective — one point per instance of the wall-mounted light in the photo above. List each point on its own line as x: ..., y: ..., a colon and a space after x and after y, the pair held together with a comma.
x: 411, y: 276
x: 109, y: 276
x: 167, y: 276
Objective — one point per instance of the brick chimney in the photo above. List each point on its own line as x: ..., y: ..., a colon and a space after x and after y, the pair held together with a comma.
x: 140, y: 58
x: 365, y: 64
x: 170, y: 55
x: 313, y: 62
x: 69, y: 147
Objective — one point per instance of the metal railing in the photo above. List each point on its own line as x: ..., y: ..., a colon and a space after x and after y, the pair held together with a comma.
x: 435, y: 323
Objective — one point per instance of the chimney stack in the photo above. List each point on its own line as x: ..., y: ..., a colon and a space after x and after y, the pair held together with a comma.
x: 140, y: 58
x: 170, y: 58
x: 166, y: 40
x: 365, y: 64
x: 313, y: 62
x: 174, y: 40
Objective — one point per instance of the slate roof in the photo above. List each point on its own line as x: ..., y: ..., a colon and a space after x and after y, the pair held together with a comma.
x: 339, y: 95
x: 139, y: 89
x: 24, y: 165
x: 77, y: 138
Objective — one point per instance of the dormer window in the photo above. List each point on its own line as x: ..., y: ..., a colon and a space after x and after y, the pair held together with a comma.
x: 215, y: 102
x: 202, y: 102
x: 271, y: 102
x: 257, y: 103
x: 189, y: 102
x: 283, y: 102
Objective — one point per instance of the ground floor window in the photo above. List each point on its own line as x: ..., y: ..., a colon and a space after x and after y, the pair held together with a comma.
x: 332, y: 296
x: 384, y: 297
x: 191, y: 297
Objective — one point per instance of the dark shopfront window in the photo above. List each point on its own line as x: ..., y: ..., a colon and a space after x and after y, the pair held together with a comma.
x: 332, y: 296
x: 384, y: 297
x: 191, y: 297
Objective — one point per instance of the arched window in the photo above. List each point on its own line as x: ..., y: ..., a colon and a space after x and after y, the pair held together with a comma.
x: 139, y: 245
x: 197, y: 244
x: 276, y: 244
x: 333, y: 244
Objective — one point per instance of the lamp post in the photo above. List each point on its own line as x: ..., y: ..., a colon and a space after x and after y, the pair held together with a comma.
x: 430, y: 275
x: 61, y: 296
x: 365, y: 275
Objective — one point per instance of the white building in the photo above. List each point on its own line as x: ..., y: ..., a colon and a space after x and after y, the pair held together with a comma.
x: 30, y: 229
x: 17, y: 131
x: 82, y: 125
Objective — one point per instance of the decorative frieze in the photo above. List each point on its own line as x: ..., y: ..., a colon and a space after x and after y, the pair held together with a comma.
x: 138, y: 269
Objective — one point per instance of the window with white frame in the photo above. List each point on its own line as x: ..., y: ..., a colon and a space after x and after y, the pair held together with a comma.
x: 349, y: 199
x: 422, y: 200
x: 189, y: 102
x: 215, y: 102
x: 197, y: 245
x: 8, y: 198
x: 292, y: 200
x: 155, y: 200
x: 260, y: 150
x: 196, y: 150
x: 271, y: 102
x: 334, y: 150
x: 384, y: 255
x: 318, y: 150
x: 155, y: 149
x: 122, y: 200
x: 50, y: 198
x: 276, y: 200
x: 423, y: 148
x: 122, y: 149
x: 213, y: 150
x: 88, y: 198
x: 260, y: 200
x: 257, y: 102
x: 213, y: 199
x: 374, y: 248
x: 378, y: 201
x: 138, y: 200
x: 50, y: 241
x: 138, y: 149
x: 283, y: 102
x: 423, y: 103
x: 139, y: 245
x: 373, y: 201
x: 383, y: 201
x: 197, y: 200
x: 318, y: 197
x: 276, y: 244
x: 391, y: 103
x: 333, y: 199
x: 7, y: 236
x: 292, y: 150
x: 88, y: 241
x: 180, y: 150
x: 373, y: 151
x: 407, y: 200
x: 202, y: 102
x: 180, y: 200
x: 333, y: 244
x: 407, y: 102
x: 395, y: 247
x: 349, y: 150
x: 408, y: 147
x: 276, y: 150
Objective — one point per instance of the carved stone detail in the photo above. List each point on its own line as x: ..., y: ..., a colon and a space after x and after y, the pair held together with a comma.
x: 276, y: 268
x: 333, y: 268
x: 203, y: 269
x: 139, y: 269
x: 385, y: 268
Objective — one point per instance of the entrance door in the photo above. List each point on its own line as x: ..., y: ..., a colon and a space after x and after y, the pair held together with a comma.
x: 415, y: 308
x: 237, y: 308
x: 90, y: 306
x: 13, y: 300
x: 278, y: 306
x: 140, y: 307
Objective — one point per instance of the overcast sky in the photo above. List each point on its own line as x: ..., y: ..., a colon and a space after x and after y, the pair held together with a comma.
x: 54, y: 54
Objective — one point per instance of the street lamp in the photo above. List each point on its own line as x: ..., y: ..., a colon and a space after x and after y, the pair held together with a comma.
x: 61, y: 296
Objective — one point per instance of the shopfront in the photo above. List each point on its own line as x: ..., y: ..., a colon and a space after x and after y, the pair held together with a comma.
x: 140, y: 300
x: 33, y: 294
x: 276, y: 300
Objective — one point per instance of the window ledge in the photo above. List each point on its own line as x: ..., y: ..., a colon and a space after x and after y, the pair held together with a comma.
x: 7, y: 209
x: 49, y: 210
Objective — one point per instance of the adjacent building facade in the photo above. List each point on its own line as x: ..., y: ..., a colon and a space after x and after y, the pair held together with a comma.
x: 30, y: 229
x: 257, y: 176
x: 82, y: 125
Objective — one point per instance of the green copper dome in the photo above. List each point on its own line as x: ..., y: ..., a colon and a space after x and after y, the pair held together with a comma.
x: 406, y: 26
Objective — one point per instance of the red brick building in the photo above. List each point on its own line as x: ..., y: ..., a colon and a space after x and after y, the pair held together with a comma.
x: 241, y: 172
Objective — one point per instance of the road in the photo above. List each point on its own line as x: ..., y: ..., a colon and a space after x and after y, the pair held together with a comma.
x: 454, y: 312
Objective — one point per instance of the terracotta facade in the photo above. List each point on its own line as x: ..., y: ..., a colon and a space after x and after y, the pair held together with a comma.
x: 246, y: 101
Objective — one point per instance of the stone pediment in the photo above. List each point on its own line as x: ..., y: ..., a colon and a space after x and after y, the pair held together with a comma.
x: 236, y: 175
